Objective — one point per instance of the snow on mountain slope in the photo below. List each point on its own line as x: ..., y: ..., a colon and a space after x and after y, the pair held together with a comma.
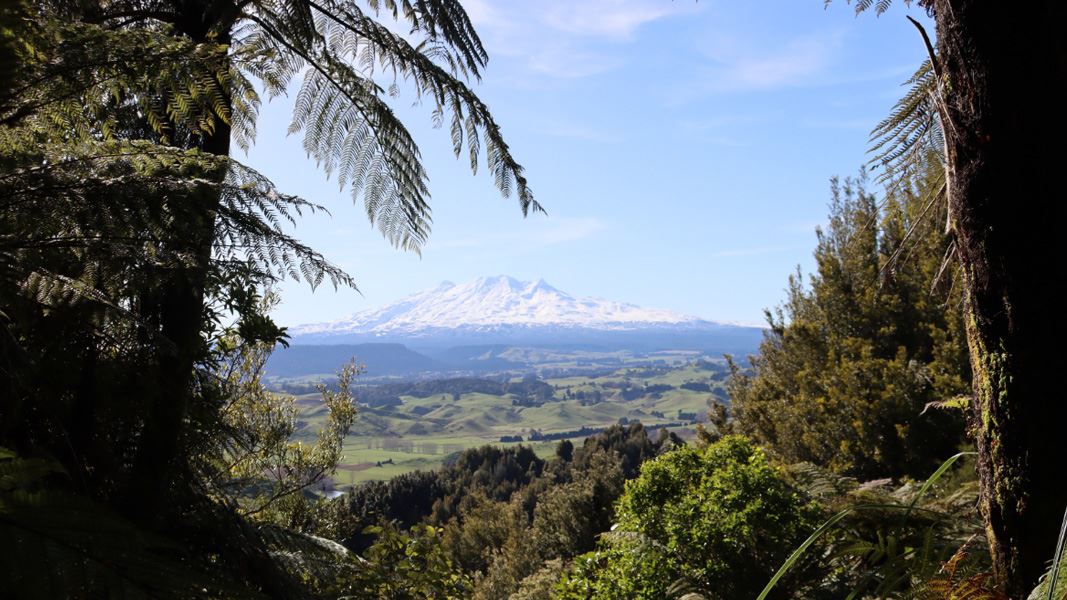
x: 490, y: 303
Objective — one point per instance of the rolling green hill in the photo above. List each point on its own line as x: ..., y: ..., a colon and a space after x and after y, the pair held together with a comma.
x: 420, y: 429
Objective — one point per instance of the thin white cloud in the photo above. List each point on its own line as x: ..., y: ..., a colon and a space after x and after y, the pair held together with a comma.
x: 738, y: 64
x: 794, y: 63
x: 566, y: 62
x: 608, y: 18
x: 529, y: 236
x: 593, y: 18
x: 557, y: 38
x: 569, y: 230
x: 481, y: 13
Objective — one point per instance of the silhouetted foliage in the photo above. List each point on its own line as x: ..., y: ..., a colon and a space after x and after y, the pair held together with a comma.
x: 134, y: 250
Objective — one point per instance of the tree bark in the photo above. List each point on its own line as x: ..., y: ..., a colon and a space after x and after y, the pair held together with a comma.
x: 181, y: 321
x: 1005, y: 71
x: 181, y: 301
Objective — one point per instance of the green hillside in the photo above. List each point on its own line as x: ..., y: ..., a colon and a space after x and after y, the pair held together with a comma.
x: 422, y: 431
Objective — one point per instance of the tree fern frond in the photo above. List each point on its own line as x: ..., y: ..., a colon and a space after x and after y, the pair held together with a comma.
x: 431, y: 79
x: 441, y: 20
x: 68, y: 182
x: 337, y: 106
x: 881, y: 6
x: 91, y: 71
x: 911, y: 135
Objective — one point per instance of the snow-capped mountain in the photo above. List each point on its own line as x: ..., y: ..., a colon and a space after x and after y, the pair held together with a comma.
x: 498, y: 304
x: 499, y: 324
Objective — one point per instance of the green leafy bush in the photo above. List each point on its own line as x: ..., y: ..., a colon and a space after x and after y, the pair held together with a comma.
x: 718, y: 519
x: 624, y: 566
x: 407, y: 564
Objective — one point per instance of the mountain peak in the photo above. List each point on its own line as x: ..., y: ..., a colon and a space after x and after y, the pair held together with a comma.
x: 542, y: 285
x: 494, y: 282
x: 493, y: 303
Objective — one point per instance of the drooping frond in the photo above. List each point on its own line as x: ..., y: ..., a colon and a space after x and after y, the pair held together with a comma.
x: 881, y: 6
x: 127, y: 61
x: 912, y: 134
x: 821, y: 483
x: 958, y: 579
x: 250, y: 226
x: 445, y: 22
x: 324, y: 562
x: 102, y: 206
x: 352, y: 131
x: 341, y: 108
x: 361, y: 40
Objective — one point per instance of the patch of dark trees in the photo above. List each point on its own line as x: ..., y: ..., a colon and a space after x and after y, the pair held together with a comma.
x: 696, y: 386
x: 719, y: 370
x: 497, y: 473
x: 537, y: 436
x: 530, y: 391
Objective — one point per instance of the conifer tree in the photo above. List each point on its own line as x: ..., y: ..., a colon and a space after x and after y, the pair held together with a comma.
x: 857, y: 354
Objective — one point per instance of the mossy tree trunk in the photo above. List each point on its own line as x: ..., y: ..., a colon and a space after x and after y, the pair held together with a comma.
x: 1005, y: 68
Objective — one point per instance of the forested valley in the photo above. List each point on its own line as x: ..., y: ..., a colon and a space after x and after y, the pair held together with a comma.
x: 897, y: 434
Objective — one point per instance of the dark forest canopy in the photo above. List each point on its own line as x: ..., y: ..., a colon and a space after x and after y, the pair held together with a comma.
x: 135, y: 251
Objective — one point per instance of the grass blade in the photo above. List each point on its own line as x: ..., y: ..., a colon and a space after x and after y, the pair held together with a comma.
x: 1057, y: 558
x: 795, y: 556
x: 931, y: 480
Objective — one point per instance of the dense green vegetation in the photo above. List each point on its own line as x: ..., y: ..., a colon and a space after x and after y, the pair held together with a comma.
x: 965, y: 114
x: 720, y: 518
x: 142, y: 454
x: 858, y: 358
x: 135, y: 252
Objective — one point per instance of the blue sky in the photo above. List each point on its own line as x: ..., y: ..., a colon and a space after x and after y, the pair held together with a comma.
x: 682, y: 149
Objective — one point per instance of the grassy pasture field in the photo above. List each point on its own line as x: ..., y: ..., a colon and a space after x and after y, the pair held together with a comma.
x: 420, y: 432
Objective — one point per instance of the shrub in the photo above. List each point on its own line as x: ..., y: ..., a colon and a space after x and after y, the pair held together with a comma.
x: 720, y: 519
